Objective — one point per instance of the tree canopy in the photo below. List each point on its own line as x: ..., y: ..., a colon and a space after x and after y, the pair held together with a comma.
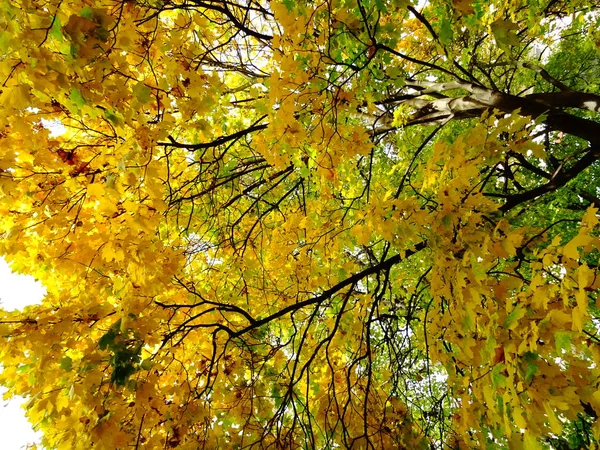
x: 303, y: 224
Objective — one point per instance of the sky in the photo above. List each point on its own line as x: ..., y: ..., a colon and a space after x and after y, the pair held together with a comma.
x: 16, y: 291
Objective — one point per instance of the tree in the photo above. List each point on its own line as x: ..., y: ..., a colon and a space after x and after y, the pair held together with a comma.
x: 277, y: 224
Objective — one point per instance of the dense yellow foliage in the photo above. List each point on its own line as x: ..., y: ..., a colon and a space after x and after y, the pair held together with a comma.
x: 263, y: 225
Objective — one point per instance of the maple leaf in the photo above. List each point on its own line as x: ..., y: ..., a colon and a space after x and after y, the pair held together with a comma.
x: 464, y: 7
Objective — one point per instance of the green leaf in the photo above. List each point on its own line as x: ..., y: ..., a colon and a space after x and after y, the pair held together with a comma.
x: 445, y: 32
x: 289, y: 4
x: 142, y: 92
x: 146, y: 364
x: 315, y: 388
x: 531, y: 368
x: 66, y: 364
x: 514, y: 316
x: 530, y: 371
x: 305, y: 172
x: 76, y: 97
x: 108, y: 340
x: 500, y: 403
x: 498, y: 380
x: 87, y: 13
x: 504, y: 33
x: 56, y: 30
x: 380, y: 5
x: 562, y: 341
x: 4, y: 38
x: 24, y: 368
x: 112, y: 117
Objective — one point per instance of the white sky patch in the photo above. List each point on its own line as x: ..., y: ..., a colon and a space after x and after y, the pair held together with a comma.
x: 557, y: 26
x: 15, y: 430
x: 55, y: 126
x: 16, y: 292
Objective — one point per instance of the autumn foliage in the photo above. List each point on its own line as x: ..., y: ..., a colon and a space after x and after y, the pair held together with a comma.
x: 294, y: 224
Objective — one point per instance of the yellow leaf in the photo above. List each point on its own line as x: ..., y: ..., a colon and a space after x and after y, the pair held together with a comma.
x: 17, y: 97
x: 530, y: 442
x: 518, y: 418
x: 590, y: 219
x: 555, y: 424
x: 62, y: 401
x: 571, y: 249
x: 463, y: 7
x: 578, y: 315
x: 504, y: 32
x: 96, y: 190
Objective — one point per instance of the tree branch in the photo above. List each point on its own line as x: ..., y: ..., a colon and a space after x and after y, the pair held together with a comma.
x: 559, y: 179
x: 385, y: 265
x: 219, y: 141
